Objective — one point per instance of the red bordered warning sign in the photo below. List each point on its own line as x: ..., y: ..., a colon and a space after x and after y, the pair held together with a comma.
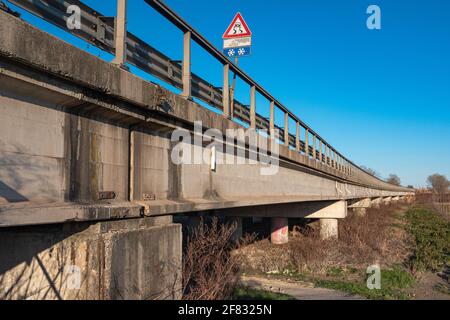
x: 237, y: 29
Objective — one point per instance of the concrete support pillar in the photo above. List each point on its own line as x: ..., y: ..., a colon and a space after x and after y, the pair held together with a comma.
x: 280, y: 230
x: 238, y: 233
x: 360, y: 211
x: 387, y: 200
x: 328, y: 229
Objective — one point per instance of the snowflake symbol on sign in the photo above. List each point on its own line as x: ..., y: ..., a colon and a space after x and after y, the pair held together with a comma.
x: 241, y: 51
x: 231, y: 52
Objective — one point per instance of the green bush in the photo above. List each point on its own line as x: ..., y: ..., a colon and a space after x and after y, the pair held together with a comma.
x: 431, y: 233
x: 392, y: 283
x: 396, y: 278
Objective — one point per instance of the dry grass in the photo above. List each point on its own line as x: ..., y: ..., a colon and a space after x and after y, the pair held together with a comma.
x: 210, y: 268
x: 377, y: 237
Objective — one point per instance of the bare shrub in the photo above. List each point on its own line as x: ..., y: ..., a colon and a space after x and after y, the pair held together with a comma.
x: 377, y: 237
x: 366, y: 236
x: 265, y: 257
x: 307, y: 251
x: 210, y: 268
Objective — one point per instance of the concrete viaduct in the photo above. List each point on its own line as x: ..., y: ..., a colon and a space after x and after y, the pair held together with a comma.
x: 87, y: 186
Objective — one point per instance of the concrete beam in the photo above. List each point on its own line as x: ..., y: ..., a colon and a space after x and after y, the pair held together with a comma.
x: 364, y: 203
x: 308, y: 210
x: 387, y: 200
x: 335, y: 210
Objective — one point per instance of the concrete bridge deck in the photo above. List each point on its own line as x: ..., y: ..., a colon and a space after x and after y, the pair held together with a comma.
x: 74, y: 127
x: 86, y: 145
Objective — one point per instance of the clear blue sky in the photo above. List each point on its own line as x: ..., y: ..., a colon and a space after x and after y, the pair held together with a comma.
x: 380, y: 97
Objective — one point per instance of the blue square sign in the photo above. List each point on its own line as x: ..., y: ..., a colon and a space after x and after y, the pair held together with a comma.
x: 237, y: 52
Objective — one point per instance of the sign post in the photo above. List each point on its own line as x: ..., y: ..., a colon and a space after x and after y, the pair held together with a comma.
x: 237, y: 42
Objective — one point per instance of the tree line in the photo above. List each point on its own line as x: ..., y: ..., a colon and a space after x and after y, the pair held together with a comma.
x: 438, y: 183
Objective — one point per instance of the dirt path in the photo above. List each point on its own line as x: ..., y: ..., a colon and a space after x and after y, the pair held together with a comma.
x: 426, y: 288
x: 297, y: 290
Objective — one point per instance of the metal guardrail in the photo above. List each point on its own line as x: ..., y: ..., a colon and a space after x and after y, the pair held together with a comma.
x: 101, y: 32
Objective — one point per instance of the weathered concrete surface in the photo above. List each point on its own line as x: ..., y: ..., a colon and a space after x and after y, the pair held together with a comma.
x: 73, y: 126
x: 130, y: 259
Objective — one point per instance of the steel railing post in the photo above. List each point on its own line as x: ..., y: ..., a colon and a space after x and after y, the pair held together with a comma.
x: 297, y: 137
x: 121, y: 33
x: 314, y: 147
x: 226, y: 92
x: 253, y: 107
x: 187, y: 65
x: 286, y: 129
x: 320, y: 151
x: 272, y: 119
x: 307, y: 143
x: 333, y: 161
x: 330, y: 156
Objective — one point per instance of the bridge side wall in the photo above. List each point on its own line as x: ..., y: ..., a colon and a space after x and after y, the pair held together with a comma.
x: 51, y: 155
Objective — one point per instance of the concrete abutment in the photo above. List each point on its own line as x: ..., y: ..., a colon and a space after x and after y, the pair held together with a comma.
x: 129, y: 259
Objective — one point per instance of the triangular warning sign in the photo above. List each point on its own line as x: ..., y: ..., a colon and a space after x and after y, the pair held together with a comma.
x: 237, y: 29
